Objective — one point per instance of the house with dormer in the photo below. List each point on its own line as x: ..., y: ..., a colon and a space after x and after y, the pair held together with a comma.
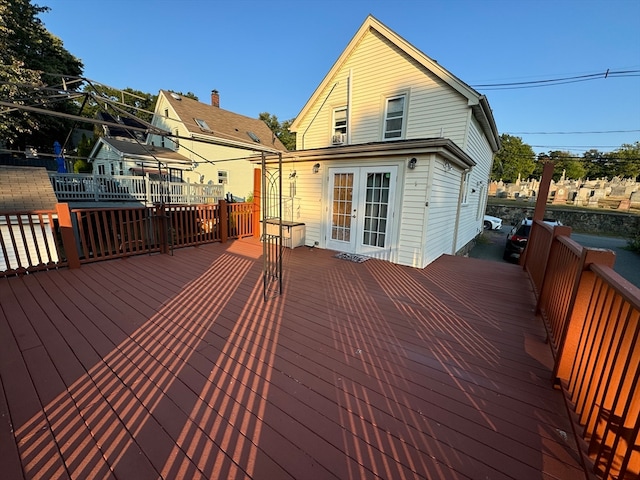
x: 393, y: 154
x: 217, y: 142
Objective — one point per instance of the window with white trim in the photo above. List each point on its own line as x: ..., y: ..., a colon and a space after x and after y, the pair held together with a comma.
x: 465, y: 188
x: 394, y: 117
x: 339, y: 134
x: 223, y: 177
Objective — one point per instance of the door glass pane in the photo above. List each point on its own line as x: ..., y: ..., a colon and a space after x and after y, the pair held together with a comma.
x: 376, y: 203
x: 342, y: 206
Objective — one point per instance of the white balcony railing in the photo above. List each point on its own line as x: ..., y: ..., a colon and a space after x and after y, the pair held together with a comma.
x: 86, y: 187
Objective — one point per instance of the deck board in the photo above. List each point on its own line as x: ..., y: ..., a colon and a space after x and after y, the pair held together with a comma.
x: 173, y: 366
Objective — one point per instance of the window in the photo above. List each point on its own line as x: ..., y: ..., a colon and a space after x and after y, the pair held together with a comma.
x: 202, y: 124
x: 465, y: 188
x: 339, y: 134
x: 166, y: 113
x: 101, y: 170
x: 394, y: 117
x: 176, y: 140
x: 223, y: 177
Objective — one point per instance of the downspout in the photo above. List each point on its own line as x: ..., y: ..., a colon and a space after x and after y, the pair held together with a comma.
x: 319, y: 109
x: 349, y: 86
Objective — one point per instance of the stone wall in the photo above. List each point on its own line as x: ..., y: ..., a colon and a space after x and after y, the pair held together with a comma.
x: 595, y: 222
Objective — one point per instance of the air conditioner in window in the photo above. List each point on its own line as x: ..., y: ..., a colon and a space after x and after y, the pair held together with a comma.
x: 339, y: 139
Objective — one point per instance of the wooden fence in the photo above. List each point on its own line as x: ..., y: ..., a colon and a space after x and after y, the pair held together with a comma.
x: 592, y: 319
x: 32, y: 241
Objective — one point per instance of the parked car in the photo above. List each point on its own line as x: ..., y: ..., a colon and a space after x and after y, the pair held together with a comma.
x: 518, y: 236
x: 492, y: 223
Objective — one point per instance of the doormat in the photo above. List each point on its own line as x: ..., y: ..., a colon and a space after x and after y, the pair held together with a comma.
x: 352, y: 257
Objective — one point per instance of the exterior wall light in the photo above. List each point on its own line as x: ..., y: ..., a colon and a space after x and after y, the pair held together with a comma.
x: 412, y: 163
x: 316, y: 168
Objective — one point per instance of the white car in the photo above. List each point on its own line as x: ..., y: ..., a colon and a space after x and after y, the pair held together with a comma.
x: 492, y: 223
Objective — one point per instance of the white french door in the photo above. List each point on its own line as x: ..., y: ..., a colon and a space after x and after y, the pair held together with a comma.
x: 361, y: 209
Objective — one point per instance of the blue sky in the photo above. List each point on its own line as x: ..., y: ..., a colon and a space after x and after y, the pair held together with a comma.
x: 270, y: 55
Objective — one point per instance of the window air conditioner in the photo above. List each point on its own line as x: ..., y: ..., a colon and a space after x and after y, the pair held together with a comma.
x: 339, y: 139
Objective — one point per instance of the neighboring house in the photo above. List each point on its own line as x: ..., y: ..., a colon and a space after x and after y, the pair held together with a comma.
x: 117, y: 156
x: 395, y: 155
x: 217, y: 141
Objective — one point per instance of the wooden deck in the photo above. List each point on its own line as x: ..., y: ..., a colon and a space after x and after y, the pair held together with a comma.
x: 164, y: 366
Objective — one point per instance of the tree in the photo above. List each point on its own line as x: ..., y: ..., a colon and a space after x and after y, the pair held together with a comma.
x: 514, y: 158
x: 32, y: 59
x: 565, y: 163
x: 625, y: 162
x: 281, y: 130
x: 597, y: 164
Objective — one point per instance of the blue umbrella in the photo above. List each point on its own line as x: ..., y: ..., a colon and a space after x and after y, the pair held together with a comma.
x: 57, y: 149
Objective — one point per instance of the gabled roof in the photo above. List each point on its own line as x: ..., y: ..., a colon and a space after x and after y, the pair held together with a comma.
x: 141, y: 151
x: 478, y: 103
x: 225, y: 127
x: 112, y: 131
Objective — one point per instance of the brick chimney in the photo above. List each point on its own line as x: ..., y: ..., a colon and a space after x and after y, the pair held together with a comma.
x: 215, y: 98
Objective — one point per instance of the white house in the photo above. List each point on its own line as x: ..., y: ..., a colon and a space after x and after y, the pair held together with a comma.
x: 117, y: 156
x: 394, y: 154
x: 216, y: 141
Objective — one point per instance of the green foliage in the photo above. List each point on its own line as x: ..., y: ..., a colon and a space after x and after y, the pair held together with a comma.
x: 514, y: 158
x: 128, y: 101
x: 82, y: 166
x: 633, y: 244
x: 626, y: 160
x: 281, y: 130
x: 565, y: 163
x: 31, y: 57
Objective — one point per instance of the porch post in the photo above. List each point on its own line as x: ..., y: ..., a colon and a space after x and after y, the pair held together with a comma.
x: 68, y: 237
x: 223, y: 220
x: 541, y: 201
x: 257, y: 192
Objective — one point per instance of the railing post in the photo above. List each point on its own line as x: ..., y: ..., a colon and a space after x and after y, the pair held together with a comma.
x: 188, y: 192
x: 68, y: 237
x: 257, y: 192
x: 578, y: 307
x: 223, y: 220
x: 558, y: 231
x: 147, y: 189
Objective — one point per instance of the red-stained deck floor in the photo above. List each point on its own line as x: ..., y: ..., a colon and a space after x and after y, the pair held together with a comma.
x: 174, y: 367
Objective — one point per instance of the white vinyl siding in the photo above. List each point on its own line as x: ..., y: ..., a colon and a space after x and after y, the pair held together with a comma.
x: 478, y: 148
x: 443, y: 205
x: 379, y: 70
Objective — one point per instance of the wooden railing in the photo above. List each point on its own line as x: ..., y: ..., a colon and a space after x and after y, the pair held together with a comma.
x: 29, y: 241
x: 86, y: 187
x: 32, y: 241
x: 592, y: 319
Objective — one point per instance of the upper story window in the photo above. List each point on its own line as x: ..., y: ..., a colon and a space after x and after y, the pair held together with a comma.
x: 339, y: 135
x: 223, y: 177
x: 166, y: 112
x: 394, y: 117
x: 176, y: 140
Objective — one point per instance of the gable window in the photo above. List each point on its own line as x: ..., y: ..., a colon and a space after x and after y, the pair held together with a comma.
x: 339, y: 135
x: 176, y: 140
x: 166, y: 112
x: 223, y: 177
x: 394, y: 117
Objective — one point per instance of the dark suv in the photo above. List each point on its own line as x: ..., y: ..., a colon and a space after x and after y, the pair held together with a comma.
x: 518, y: 236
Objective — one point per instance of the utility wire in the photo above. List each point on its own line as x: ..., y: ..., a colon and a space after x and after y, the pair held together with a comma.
x: 559, y: 81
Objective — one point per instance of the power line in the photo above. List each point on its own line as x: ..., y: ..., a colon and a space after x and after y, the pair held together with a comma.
x: 559, y: 81
x: 572, y: 133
